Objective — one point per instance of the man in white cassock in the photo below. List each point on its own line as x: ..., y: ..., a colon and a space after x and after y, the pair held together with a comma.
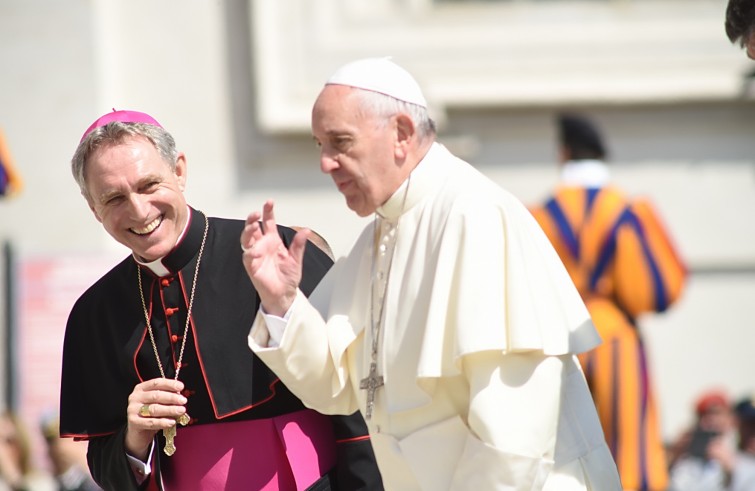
x: 451, y: 325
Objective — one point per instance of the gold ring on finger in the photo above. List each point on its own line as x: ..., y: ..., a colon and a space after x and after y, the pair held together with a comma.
x: 144, y: 411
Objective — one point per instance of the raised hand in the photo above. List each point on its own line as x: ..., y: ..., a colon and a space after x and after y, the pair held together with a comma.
x: 274, y: 270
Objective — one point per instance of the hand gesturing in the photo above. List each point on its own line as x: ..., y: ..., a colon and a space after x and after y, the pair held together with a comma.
x: 274, y: 270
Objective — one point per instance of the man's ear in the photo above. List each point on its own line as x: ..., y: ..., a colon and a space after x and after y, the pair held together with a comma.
x: 180, y: 171
x: 406, y: 132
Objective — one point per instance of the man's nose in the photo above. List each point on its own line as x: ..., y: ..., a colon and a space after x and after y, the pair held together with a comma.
x: 327, y: 163
x: 139, y: 206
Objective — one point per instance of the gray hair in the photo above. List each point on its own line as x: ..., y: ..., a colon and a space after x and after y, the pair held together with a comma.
x: 387, y: 106
x: 115, y: 133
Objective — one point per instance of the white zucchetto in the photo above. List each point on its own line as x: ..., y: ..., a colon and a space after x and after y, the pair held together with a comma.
x: 380, y: 75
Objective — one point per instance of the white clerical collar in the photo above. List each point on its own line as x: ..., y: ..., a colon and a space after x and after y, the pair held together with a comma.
x: 157, y: 265
x: 404, y: 199
x: 587, y: 173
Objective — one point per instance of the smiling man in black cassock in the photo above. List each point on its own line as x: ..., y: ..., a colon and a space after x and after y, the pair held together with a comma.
x: 156, y: 369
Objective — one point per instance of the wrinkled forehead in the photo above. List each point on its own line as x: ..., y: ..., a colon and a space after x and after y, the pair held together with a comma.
x: 335, y: 98
x: 126, y: 151
x: 337, y: 106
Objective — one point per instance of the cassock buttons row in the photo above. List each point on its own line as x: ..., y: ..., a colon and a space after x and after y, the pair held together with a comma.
x: 188, y: 393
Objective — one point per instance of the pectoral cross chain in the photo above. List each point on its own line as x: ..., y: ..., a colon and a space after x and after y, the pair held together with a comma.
x: 371, y: 383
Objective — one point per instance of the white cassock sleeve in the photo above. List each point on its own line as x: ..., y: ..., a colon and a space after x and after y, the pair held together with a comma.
x: 513, y: 417
x: 303, y: 360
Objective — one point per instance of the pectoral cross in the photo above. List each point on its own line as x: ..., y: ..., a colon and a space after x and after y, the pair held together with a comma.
x: 170, y: 435
x: 371, y: 383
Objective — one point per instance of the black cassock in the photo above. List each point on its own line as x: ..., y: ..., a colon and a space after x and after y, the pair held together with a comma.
x: 107, y: 351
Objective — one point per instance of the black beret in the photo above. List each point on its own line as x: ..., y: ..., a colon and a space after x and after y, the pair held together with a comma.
x: 580, y: 136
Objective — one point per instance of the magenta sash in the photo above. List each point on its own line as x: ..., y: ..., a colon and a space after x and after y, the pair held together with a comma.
x: 287, y: 452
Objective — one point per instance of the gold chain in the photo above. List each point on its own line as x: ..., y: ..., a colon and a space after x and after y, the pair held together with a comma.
x: 188, y: 313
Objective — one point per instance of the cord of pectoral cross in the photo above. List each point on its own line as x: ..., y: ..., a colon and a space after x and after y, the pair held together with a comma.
x: 373, y: 381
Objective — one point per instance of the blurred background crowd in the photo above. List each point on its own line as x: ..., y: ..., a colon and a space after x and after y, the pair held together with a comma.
x: 670, y: 96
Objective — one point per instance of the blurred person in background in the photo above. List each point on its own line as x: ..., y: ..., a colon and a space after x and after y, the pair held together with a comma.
x: 157, y: 375
x: 17, y: 472
x: 741, y: 468
x: 623, y: 263
x: 15, y: 455
x: 719, y: 455
x: 692, y: 462
x: 68, y: 461
x: 740, y: 24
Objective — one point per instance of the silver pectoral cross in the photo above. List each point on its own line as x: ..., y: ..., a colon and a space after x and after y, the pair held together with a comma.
x: 371, y: 383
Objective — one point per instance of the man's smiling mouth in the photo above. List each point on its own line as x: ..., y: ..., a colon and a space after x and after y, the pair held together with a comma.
x: 149, y: 227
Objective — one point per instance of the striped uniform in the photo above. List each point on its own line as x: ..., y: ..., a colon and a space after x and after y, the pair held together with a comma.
x: 624, y: 264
